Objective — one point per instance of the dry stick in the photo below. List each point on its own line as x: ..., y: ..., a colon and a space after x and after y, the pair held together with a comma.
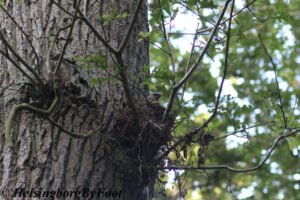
x: 276, y: 142
x: 276, y: 79
x: 191, y: 133
x: 193, y: 67
x: 21, y: 29
x: 68, y: 40
x: 168, y: 42
x: 21, y: 59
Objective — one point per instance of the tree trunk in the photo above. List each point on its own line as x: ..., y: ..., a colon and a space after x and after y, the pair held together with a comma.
x: 45, y: 158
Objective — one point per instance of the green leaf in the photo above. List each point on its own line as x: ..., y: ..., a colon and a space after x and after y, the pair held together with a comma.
x: 294, y: 142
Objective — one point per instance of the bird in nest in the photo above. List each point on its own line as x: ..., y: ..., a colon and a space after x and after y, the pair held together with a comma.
x: 153, y: 98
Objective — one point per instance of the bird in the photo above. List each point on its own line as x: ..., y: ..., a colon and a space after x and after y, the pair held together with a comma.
x: 153, y: 98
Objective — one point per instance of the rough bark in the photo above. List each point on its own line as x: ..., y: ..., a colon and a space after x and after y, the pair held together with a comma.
x: 44, y: 157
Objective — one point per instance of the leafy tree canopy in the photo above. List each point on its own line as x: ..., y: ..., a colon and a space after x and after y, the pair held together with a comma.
x: 259, y: 96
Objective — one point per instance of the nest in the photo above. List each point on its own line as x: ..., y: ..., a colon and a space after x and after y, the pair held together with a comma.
x: 142, y: 143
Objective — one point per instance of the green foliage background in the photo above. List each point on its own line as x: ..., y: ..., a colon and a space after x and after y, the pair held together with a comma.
x: 250, y: 74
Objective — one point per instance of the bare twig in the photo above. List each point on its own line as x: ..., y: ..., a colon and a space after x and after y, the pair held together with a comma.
x: 194, y: 66
x: 167, y: 42
x: 276, y: 142
x: 276, y: 79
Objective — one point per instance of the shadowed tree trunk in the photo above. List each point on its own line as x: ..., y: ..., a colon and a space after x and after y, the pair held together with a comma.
x: 44, y: 157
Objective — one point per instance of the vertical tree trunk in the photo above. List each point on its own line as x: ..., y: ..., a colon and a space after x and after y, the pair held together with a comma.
x: 45, y: 158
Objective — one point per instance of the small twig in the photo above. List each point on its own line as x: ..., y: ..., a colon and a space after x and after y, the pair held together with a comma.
x: 292, y: 113
x: 188, y: 65
x: 194, y: 66
x: 163, y: 50
x: 130, y: 28
x: 243, y: 130
x: 276, y: 142
x: 276, y: 80
x: 68, y: 40
x: 167, y: 42
x: 262, y: 21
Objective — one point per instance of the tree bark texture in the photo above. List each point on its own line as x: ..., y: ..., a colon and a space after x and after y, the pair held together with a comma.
x: 44, y: 157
